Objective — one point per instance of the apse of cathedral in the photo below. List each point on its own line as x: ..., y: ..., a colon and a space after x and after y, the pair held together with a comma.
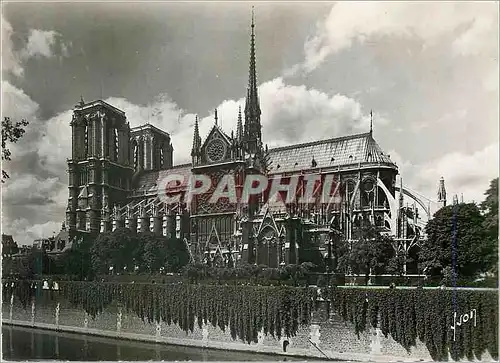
x: 115, y: 173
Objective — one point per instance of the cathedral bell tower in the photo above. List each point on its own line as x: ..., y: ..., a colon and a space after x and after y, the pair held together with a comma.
x: 100, y: 168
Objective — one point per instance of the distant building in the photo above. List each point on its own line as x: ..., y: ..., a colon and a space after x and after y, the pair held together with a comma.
x: 55, y: 245
x: 9, y: 247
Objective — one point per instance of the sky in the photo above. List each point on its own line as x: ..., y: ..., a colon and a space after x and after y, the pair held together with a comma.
x: 428, y: 70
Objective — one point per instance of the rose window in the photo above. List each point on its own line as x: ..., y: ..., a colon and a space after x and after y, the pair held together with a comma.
x: 216, y: 150
x: 369, y: 185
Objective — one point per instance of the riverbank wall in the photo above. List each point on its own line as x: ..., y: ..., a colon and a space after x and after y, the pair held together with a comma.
x: 328, y: 336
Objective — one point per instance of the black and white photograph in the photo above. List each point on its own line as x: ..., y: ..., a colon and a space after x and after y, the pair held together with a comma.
x: 250, y: 181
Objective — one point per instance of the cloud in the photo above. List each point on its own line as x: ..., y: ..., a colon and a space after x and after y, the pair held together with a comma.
x: 17, y: 105
x: 26, y: 232
x: 31, y: 190
x: 455, y: 116
x: 10, y: 60
x: 37, y: 189
x: 290, y: 114
x: 40, y: 43
x: 490, y: 83
x: 472, y: 25
x: 467, y: 174
x: 297, y: 114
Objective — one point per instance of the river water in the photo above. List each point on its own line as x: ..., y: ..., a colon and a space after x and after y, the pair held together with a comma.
x: 20, y: 343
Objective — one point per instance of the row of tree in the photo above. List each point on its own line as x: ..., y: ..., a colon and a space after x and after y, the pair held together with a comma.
x: 116, y: 252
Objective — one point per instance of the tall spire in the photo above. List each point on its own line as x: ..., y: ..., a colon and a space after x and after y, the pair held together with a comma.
x: 239, y: 126
x: 216, y: 118
x: 196, y: 139
x: 252, y: 108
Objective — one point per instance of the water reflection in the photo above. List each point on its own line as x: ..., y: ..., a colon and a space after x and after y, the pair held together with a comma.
x: 20, y: 343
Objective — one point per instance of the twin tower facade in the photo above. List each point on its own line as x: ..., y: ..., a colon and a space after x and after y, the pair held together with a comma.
x: 112, y: 164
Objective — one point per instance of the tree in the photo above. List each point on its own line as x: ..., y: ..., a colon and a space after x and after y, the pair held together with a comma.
x: 475, y: 253
x: 370, y: 254
x: 489, y: 208
x: 77, y: 262
x: 309, y: 252
x: 35, y: 262
x: 11, y: 133
x: 177, y: 255
x: 117, y: 249
x: 155, y: 251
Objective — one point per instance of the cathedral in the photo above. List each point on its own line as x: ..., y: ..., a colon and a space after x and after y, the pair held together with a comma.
x: 115, y: 174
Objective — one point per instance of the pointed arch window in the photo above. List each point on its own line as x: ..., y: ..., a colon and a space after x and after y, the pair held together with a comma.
x: 115, y: 143
x: 162, y: 156
x: 86, y: 140
x: 350, y: 186
x: 135, y: 154
x: 84, y: 176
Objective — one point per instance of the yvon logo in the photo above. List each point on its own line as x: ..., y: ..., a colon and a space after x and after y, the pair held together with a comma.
x: 462, y: 319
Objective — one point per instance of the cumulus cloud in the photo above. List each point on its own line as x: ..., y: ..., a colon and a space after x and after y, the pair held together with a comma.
x: 473, y: 27
x: 290, y: 114
x: 40, y: 43
x: 37, y: 190
x: 298, y: 114
x: 26, y: 231
x: 32, y: 190
x: 10, y: 60
x: 18, y: 105
x: 465, y: 174
x: 490, y: 82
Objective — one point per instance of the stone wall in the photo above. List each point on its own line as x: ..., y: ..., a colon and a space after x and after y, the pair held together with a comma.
x: 326, y: 337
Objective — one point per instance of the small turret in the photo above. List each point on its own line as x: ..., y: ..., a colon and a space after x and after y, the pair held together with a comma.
x: 401, y: 196
x: 371, y: 122
x: 441, y: 194
x: 195, y: 151
x: 239, y: 127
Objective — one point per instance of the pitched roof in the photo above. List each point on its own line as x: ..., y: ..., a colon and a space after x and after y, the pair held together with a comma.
x: 216, y: 129
x: 148, y: 126
x: 84, y: 106
x: 336, y: 152
x: 149, y: 181
x: 344, y: 151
